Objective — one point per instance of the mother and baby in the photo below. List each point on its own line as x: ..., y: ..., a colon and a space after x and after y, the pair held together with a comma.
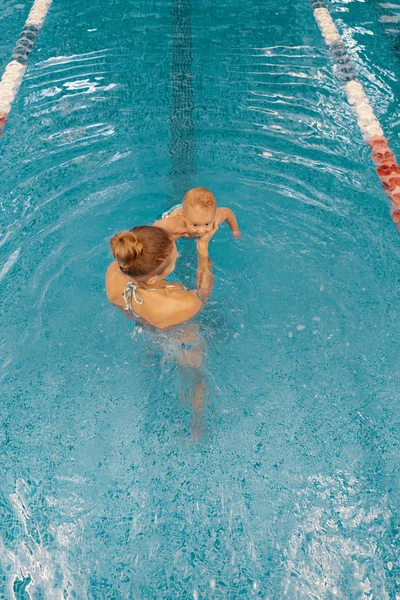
x: 146, y: 255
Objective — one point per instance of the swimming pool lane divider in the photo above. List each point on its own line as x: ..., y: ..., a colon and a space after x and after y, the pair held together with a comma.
x: 387, y: 167
x: 15, y: 70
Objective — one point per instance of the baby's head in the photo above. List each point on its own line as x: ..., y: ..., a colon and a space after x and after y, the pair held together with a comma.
x: 199, y: 208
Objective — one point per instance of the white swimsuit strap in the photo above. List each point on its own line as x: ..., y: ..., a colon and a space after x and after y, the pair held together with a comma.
x: 131, y: 293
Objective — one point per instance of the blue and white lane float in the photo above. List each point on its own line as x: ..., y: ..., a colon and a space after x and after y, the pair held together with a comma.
x: 15, y: 70
x: 386, y: 165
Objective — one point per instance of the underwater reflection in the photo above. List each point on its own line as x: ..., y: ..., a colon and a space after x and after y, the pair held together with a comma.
x: 183, y: 350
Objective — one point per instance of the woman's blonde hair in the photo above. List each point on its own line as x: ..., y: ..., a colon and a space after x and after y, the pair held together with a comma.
x: 142, y: 251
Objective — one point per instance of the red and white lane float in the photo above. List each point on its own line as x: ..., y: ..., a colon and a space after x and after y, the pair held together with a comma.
x: 15, y: 70
x: 387, y: 167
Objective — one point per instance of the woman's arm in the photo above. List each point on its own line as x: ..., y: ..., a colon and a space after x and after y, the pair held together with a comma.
x: 180, y: 305
x: 204, y: 276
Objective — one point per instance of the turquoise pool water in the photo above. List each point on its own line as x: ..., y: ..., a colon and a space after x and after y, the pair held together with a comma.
x: 286, y: 483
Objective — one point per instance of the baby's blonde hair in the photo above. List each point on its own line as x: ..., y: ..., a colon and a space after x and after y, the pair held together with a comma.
x: 200, y: 196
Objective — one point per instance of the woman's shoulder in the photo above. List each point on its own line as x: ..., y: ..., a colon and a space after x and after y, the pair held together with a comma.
x: 113, y: 283
x: 113, y: 274
x: 172, y: 286
x: 178, y: 305
x: 112, y: 268
x: 172, y: 293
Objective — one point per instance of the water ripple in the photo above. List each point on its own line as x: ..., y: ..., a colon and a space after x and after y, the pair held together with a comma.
x: 100, y: 475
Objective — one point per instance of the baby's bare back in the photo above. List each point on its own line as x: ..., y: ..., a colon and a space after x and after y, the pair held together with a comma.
x: 174, y: 224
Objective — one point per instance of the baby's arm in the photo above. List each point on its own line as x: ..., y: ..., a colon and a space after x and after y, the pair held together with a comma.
x: 226, y: 214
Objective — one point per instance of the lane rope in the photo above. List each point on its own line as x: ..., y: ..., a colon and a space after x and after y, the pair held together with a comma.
x: 15, y: 70
x: 387, y: 167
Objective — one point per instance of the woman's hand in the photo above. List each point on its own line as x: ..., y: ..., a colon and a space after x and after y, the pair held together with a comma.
x: 202, y: 241
x: 207, y: 236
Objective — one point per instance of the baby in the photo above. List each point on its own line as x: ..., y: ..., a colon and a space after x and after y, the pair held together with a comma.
x: 197, y: 216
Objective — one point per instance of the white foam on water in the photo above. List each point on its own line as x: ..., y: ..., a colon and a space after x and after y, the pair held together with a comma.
x: 337, y: 538
x: 11, y: 260
x: 25, y: 554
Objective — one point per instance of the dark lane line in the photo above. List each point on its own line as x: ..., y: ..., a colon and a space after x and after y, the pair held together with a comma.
x: 388, y: 17
x: 183, y: 146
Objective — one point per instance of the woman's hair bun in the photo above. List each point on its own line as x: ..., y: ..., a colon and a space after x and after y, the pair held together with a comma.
x: 126, y: 248
x: 142, y: 251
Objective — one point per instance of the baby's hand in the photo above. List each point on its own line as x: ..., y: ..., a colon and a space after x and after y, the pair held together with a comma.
x: 236, y: 233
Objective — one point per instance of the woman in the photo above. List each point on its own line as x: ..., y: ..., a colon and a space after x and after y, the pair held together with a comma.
x: 135, y: 281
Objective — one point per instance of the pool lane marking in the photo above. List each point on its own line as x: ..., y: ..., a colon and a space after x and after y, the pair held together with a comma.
x: 15, y: 70
x: 387, y: 167
x: 182, y: 148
